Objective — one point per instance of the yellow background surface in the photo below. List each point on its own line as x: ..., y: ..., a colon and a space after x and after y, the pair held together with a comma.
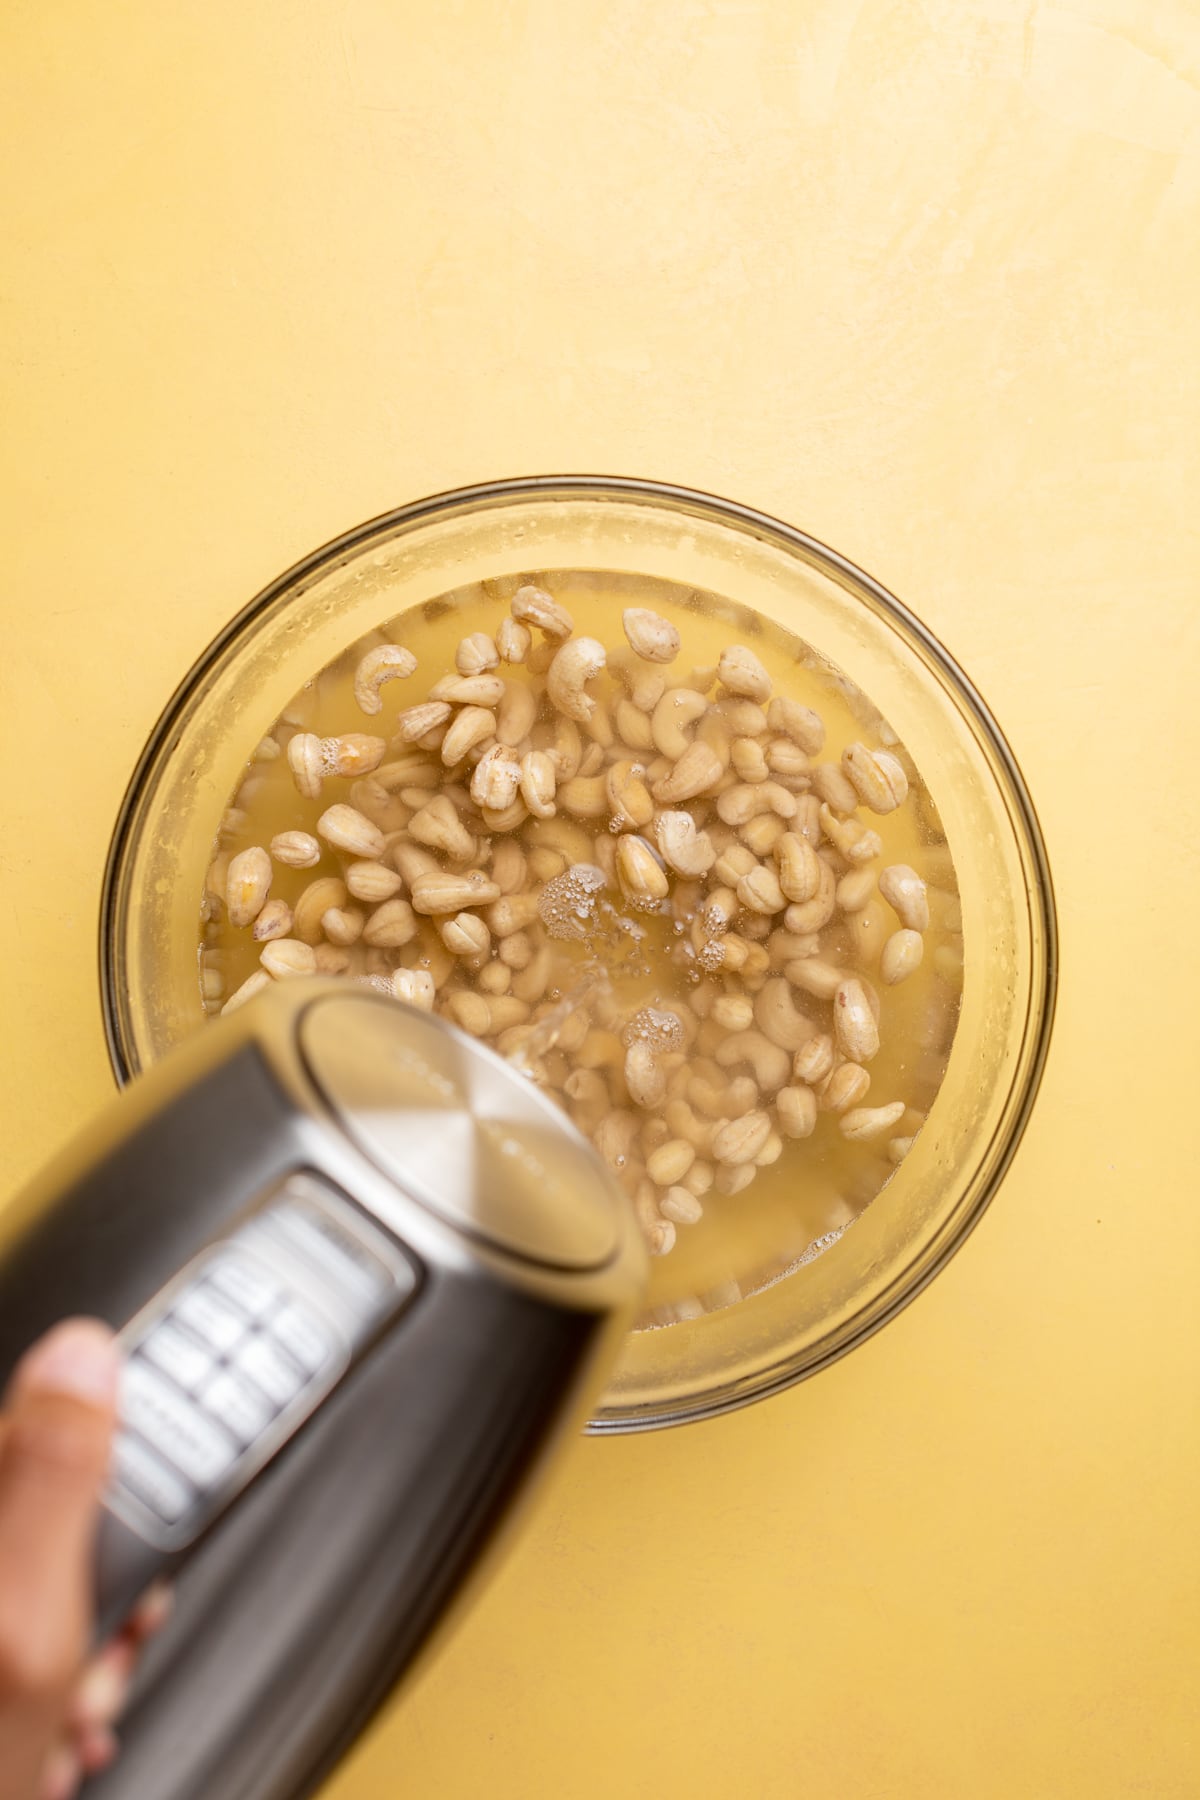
x: 919, y: 276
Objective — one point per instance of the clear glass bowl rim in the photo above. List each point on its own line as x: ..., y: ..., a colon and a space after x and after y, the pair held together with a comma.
x: 1041, y: 897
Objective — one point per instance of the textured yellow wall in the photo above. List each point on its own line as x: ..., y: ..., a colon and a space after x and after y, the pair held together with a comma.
x: 921, y: 277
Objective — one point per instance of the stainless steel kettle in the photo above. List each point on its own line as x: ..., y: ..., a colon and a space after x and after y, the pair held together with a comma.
x: 366, y: 1277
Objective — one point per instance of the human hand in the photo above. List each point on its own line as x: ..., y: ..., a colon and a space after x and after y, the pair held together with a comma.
x: 56, y: 1708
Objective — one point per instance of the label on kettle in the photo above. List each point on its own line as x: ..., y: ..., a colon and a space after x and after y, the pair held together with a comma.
x: 227, y: 1362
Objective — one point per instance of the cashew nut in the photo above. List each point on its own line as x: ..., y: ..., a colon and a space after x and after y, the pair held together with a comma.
x: 387, y: 662
x: 678, y: 708
x: 688, y: 851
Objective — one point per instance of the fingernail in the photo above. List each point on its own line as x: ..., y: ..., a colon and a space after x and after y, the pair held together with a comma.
x: 152, y: 1610
x: 79, y: 1358
x: 102, y: 1691
x: 98, y: 1749
x: 61, y: 1775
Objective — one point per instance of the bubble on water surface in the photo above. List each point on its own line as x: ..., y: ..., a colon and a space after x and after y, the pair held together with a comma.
x: 567, y: 905
x: 655, y: 1026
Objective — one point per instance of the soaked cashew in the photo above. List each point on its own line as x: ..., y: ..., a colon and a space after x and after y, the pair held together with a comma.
x: 387, y: 662
x: 688, y: 851
x: 813, y: 1061
x: 867, y: 1122
x: 471, y: 726
x: 854, y: 1022
x: 876, y: 776
x: 416, y: 722
x: 741, y: 1139
x: 742, y: 673
x: 515, y: 713
x: 295, y: 849
x: 778, y: 1018
x: 800, y: 723
x: 469, y: 690
x: 579, y: 661
x: 676, y: 711
x: 415, y: 987
x: 901, y: 956
x: 438, y: 825
x: 391, y: 925
x: 445, y: 893
x: 771, y: 1064
x: 538, y: 781
x: 306, y: 760
x: 642, y: 878
x: 650, y: 636
x: 697, y: 770
x: 372, y: 882
x: 799, y: 867
x: 247, y: 884
x: 533, y: 606
x: 845, y: 1087
x: 274, y: 921
x: 344, y: 828
x: 288, y: 957
x: 476, y: 654
x: 906, y: 894
x: 496, y: 778
x: 253, y: 984
x: 513, y: 641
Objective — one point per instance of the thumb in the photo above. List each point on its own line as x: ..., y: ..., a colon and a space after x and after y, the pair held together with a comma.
x: 60, y: 1415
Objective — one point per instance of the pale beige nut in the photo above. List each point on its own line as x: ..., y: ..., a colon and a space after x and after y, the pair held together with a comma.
x: 506, y: 1012
x: 697, y: 770
x: 516, y: 950
x: 247, y: 885
x: 267, y: 750
x: 346, y: 829
x: 644, y: 1076
x: 681, y: 1206
x: 511, y: 913
x: 513, y: 641
x: 741, y: 672
x: 505, y: 818
x: 901, y: 956
x: 496, y: 778
x: 760, y: 892
x: 411, y: 859
x: 391, y: 925
x: 372, y: 881
x: 804, y: 726
x: 469, y: 690
x: 734, y: 861
x: 592, y: 761
x: 471, y: 1012
x: 510, y: 868
x: 343, y: 925
x: 832, y: 785
x: 331, y: 959
x: 786, y: 760
x: 628, y: 796
x: 306, y: 760
x: 742, y: 717
x: 699, y: 1178
x: 579, y: 661
x: 476, y: 654
x: 253, y: 984
x: 898, y: 1148
x: 584, y: 797
x: 778, y: 1017
x: 295, y: 849
x: 813, y: 975
x: 850, y: 837
x: 813, y: 1061
x: 386, y: 662
x: 274, y: 921
x: 470, y: 726
x: 855, y: 889
x: 854, y: 1023
x: 811, y: 915
x: 846, y: 1087
x: 565, y: 747
x: 650, y: 636
x: 771, y: 1151
x: 733, y: 1012
x: 633, y: 727
x: 538, y: 782
x: 541, y: 655
x: 733, y: 1178
x: 353, y: 754
x: 685, y: 849
x: 799, y: 867
x: 906, y: 894
x: 749, y: 762
x: 415, y: 987
x: 660, y: 1237
x: 642, y: 878
x: 466, y: 935
x: 515, y: 713
x: 867, y: 1122
x: 440, y: 892
x: 670, y: 1162
x: 412, y: 770
x: 876, y: 776
x: 545, y: 863
x: 761, y: 834
x: 288, y: 957
x: 416, y: 722
x: 646, y: 687
x: 313, y: 904
x: 745, y: 800
x: 678, y: 709
x: 740, y: 1140
x: 494, y: 978
x: 534, y: 607
x: 771, y: 1064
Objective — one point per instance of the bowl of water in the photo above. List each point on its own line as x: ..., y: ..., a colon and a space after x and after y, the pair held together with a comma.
x: 711, y: 1017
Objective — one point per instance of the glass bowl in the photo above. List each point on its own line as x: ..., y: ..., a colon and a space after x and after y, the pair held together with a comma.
x: 843, y: 1287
